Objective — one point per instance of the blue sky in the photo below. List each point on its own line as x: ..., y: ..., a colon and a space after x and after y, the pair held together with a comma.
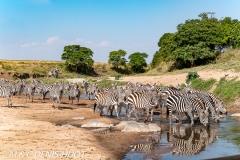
x: 39, y: 29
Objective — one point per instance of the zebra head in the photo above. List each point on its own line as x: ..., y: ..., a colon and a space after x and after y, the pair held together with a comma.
x: 220, y: 107
x: 187, y: 88
x: 204, y: 116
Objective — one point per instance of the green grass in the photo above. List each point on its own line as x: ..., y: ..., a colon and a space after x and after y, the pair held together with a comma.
x: 205, y: 85
x: 228, y: 90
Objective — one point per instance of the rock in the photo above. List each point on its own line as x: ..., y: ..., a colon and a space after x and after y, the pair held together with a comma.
x: 68, y: 126
x: 132, y: 126
x: 236, y: 115
x: 96, y: 123
x: 78, y: 118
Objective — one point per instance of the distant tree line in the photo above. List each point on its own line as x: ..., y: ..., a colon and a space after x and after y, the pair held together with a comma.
x: 79, y: 59
x: 196, y: 42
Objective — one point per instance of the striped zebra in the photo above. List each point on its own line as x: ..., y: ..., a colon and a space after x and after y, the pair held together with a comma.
x: 29, y: 90
x: 56, y: 94
x: 217, y: 104
x: 92, y: 90
x: 111, y: 88
x: 53, y: 73
x: 183, y: 103
x: 42, y: 88
x: 7, y: 91
x: 108, y: 100
x: 143, y: 101
x: 73, y: 92
x: 85, y: 86
x: 146, y: 147
x: 19, y: 87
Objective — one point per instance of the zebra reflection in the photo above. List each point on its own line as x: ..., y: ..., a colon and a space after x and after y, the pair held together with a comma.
x: 189, y: 141
x: 148, y: 147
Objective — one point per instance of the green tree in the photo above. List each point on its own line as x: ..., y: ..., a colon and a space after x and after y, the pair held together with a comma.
x: 167, y: 46
x: 138, y: 62
x: 235, y: 38
x: 116, y: 58
x: 78, y: 59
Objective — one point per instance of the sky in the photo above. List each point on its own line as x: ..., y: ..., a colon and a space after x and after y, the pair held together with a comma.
x: 39, y: 29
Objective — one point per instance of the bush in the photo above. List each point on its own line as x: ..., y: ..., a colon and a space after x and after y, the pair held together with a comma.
x: 117, y: 76
x: 192, y: 76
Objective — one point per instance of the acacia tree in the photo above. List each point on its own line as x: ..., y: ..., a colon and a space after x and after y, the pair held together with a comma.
x: 78, y: 59
x: 138, y: 61
x: 116, y: 58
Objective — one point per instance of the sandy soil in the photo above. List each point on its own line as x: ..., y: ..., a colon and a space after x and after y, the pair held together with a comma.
x: 33, y: 131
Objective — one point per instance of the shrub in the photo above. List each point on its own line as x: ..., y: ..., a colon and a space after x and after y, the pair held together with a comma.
x: 191, y: 76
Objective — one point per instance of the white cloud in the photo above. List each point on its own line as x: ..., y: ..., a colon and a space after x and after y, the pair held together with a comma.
x: 29, y: 44
x: 52, y: 40
x: 104, y: 44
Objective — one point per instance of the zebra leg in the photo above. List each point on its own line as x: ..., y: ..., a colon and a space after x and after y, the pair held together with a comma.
x: 116, y: 107
x: 129, y: 114
x: 151, y: 115
x: 190, y: 114
x: 52, y: 102
x: 146, y: 119
x: 135, y: 114
x: 59, y: 102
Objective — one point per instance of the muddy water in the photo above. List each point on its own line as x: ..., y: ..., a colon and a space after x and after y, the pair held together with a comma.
x: 185, y: 142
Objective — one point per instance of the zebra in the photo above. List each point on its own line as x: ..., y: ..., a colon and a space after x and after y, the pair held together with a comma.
x: 19, y: 87
x: 92, y: 90
x: 29, y: 90
x: 73, y: 92
x: 56, y: 94
x: 141, y: 101
x: 7, y: 91
x: 43, y: 88
x: 191, y: 103
x: 217, y: 104
x: 85, y: 86
x: 180, y: 103
x: 53, y: 73
x: 109, y: 89
x: 146, y: 147
x: 108, y: 100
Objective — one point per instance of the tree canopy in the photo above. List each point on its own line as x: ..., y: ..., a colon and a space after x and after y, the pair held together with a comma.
x: 138, y: 61
x: 198, y: 41
x: 78, y: 59
x: 116, y: 58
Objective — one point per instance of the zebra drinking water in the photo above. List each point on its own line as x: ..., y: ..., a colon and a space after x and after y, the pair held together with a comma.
x: 143, y: 101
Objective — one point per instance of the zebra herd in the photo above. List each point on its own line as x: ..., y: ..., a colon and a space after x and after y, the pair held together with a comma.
x: 56, y: 90
x: 146, y: 98
x: 134, y: 98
